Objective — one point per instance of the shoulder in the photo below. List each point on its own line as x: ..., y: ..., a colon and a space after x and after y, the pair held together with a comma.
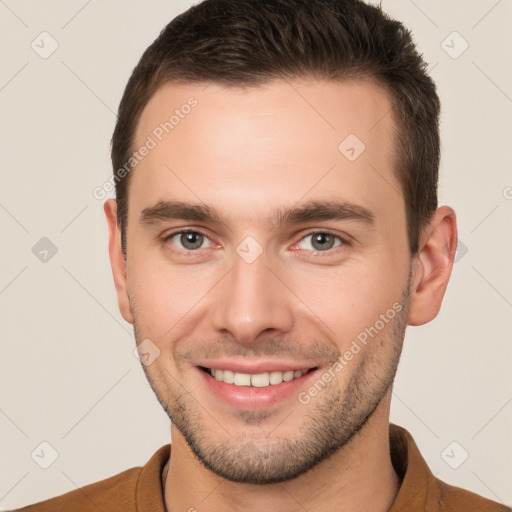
x: 455, y: 498
x: 117, y: 493
x: 421, y: 490
x: 138, y: 488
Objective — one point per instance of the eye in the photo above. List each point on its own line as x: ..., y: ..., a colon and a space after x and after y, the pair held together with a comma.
x: 189, y: 240
x: 320, y: 241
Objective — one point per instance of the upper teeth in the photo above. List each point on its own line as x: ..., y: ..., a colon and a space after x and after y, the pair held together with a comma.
x: 259, y: 380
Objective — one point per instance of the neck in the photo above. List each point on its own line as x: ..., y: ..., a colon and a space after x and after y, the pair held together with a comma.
x: 359, y: 476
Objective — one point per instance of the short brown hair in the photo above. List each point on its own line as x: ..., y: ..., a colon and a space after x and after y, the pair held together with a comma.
x: 248, y: 42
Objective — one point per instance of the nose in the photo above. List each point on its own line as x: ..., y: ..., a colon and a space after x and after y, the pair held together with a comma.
x: 252, y: 299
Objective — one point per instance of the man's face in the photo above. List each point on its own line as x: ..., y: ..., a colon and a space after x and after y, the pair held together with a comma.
x: 275, y: 284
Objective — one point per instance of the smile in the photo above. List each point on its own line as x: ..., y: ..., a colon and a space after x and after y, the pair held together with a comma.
x: 258, y: 380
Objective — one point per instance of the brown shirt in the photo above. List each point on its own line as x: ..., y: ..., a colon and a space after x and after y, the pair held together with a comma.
x: 140, y: 489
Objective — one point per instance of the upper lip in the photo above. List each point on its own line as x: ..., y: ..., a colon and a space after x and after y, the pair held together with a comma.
x: 255, y: 367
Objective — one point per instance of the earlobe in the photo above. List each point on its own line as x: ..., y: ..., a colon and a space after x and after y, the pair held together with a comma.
x: 117, y: 260
x: 432, y: 266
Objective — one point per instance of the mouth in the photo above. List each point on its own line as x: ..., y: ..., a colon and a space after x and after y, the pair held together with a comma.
x: 256, y: 380
x: 244, y: 386
x: 255, y: 384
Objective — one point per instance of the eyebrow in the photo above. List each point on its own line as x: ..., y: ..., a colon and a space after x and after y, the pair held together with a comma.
x: 308, y: 212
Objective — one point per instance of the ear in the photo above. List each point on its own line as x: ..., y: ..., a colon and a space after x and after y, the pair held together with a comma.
x: 117, y: 259
x: 432, y: 266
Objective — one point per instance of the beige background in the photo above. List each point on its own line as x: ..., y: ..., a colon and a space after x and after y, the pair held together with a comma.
x: 68, y: 374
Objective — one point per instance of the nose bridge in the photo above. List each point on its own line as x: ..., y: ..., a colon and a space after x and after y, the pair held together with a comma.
x: 252, y: 299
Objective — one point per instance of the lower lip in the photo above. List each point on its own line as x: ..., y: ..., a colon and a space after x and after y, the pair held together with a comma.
x: 253, y: 398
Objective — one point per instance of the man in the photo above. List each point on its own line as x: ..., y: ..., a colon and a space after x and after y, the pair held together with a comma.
x: 276, y: 229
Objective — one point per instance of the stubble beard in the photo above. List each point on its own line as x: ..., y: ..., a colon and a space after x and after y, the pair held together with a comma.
x: 332, y: 419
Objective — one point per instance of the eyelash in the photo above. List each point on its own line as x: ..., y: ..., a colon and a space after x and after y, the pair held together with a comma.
x: 191, y: 253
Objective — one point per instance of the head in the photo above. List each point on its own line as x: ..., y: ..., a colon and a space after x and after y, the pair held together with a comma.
x: 297, y: 142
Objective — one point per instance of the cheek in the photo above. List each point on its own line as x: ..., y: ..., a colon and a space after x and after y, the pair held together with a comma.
x: 166, y: 299
x: 154, y: 296
x: 353, y: 297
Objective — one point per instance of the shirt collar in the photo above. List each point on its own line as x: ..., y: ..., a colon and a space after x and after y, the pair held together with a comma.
x: 419, y: 487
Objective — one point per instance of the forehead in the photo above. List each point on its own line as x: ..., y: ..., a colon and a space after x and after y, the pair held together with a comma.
x: 268, y: 145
